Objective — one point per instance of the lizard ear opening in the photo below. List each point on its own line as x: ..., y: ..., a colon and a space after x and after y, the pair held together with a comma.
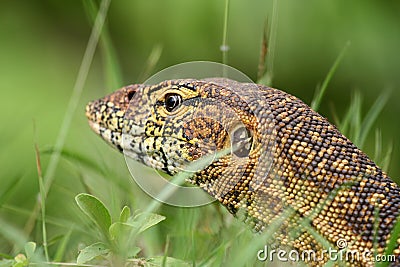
x: 241, y: 141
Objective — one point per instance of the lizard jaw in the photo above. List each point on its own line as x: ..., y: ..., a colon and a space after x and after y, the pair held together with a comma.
x: 114, y: 138
x: 133, y: 146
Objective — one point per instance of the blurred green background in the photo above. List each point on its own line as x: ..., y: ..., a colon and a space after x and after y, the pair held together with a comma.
x: 42, y: 45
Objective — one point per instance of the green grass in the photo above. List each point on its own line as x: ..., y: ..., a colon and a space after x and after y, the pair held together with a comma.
x: 204, y: 236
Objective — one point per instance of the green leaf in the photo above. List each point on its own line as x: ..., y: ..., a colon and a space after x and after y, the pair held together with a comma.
x: 119, y: 230
x: 30, y: 248
x: 91, y: 252
x: 122, y: 234
x: 125, y: 214
x: 95, y: 210
x: 145, y: 220
x: 141, y: 222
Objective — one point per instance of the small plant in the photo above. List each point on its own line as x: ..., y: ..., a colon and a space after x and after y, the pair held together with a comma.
x: 22, y: 259
x: 117, y: 246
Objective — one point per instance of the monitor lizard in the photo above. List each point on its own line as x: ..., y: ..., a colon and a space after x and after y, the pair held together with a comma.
x: 286, y: 156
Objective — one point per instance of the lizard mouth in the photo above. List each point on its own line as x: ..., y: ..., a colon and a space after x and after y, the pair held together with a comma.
x: 96, y: 127
x: 114, y: 138
x: 143, y: 148
x: 127, y: 141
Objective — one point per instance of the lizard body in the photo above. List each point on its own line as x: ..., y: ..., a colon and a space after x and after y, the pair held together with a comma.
x: 286, y: 156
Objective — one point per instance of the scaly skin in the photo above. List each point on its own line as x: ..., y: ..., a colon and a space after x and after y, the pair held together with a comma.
x: 286, y: 157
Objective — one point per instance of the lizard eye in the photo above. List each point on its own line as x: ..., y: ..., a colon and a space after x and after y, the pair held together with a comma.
x: 172, y: 101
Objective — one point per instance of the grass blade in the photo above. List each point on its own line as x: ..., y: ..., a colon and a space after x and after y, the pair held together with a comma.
x: 42, y: 193
x: 263, y: 52
x: 62, y: 246
x: 320, y: 93
x: 7, y: 192
x: 151, y: 62
x: 76, y: 93
x: 11, y: 233
x: 73, y: 156
x: 224, y: 47
x: 352, y: 116
x: 378, y: 145
x: 269, y: 61
x: 385, y: 162
x: 111, y: 65
x: 394, y: 235
x: 371, y: 117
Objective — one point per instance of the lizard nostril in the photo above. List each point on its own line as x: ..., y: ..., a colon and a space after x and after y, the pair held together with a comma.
x: 131, y: 94
x: 89, y: 109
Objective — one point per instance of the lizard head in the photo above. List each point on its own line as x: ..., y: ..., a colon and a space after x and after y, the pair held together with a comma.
x: 168, y: 125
